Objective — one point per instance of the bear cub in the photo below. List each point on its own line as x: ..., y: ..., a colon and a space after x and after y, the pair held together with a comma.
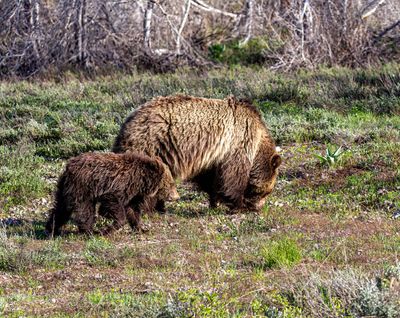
x: 123, y: 184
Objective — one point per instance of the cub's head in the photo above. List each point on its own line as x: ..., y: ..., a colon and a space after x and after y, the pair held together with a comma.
x: 262, y: 179
x: 167, y: 189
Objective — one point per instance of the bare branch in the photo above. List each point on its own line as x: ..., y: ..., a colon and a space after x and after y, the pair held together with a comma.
x: 371, y: 8
x: 203, y: 6
x: 388, y: 29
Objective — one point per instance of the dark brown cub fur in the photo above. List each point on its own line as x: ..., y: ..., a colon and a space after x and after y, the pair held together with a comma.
x: 122, y: 183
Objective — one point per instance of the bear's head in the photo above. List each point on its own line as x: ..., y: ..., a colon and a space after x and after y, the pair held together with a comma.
x: 262, y: 177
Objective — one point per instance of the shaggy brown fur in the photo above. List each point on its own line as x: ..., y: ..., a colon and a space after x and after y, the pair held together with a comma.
x: 122, y: 183
x: 222, y: 145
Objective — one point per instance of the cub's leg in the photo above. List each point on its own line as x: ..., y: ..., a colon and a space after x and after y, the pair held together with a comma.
x: 85, y: 216
x: 59, y: 216
x: 112, y: 208
x: 62, y: 210
x: 133, y: 217
x: 136, y: 208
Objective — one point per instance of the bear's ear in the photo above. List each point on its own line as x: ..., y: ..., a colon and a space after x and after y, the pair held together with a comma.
x: 231, y: 100
x: 276, y: 161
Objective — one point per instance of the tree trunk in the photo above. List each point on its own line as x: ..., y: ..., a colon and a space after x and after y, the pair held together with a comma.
x: 34, y: 25
x: 147, y: 25
x: 184, y: 19
x: 249, y: 21
x: 305, y: 22
x: 82, y: 39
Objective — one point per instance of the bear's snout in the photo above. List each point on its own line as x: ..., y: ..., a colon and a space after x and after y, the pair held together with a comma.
x: 173, y: 195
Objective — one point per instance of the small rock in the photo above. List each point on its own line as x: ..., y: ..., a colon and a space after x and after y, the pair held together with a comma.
x: 396, y: 214
x: 11, y: 222
x: 382, y: 191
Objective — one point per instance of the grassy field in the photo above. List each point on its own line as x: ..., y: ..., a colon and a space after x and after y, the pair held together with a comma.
x: 327, y: 243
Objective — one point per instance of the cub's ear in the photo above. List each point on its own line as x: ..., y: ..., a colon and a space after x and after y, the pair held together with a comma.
x: 276, y: 161
x: 155, y: 166
x: 160, y: 163
x: 158, y: 158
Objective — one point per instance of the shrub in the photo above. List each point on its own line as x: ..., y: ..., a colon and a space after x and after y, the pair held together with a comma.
x: 345, y: 293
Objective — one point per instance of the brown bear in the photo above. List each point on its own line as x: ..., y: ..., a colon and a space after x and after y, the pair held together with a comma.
x: 222, y: 145
x: 122, y: 183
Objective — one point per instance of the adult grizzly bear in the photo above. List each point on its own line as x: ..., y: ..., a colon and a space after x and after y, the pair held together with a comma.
x: 122, y: 183
x: 222, y: 145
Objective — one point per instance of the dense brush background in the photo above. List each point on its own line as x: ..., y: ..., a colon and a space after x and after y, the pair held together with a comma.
x: 48, y: 36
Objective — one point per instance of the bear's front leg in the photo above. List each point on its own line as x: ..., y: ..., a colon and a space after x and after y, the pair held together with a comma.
x: 233, y: 176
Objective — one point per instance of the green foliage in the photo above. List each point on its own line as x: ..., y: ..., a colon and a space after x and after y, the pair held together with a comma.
x: 10, y: 259
x: 282, y: 253
x: 232, y: 53
x: 15, y: 257
x: 50, y: 255
x: 115, y: 303
x: 101, y: 252
x: 216, y: 51
x: 21, y: 176
x: 331, y: 156
x: 196, y: 303
x: 392, y: 271
x: 287, y: 308
x: 3, y: 304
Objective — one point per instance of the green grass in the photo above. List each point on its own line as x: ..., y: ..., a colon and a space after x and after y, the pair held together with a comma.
x: 282, y: 253
x: 325, y: 244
